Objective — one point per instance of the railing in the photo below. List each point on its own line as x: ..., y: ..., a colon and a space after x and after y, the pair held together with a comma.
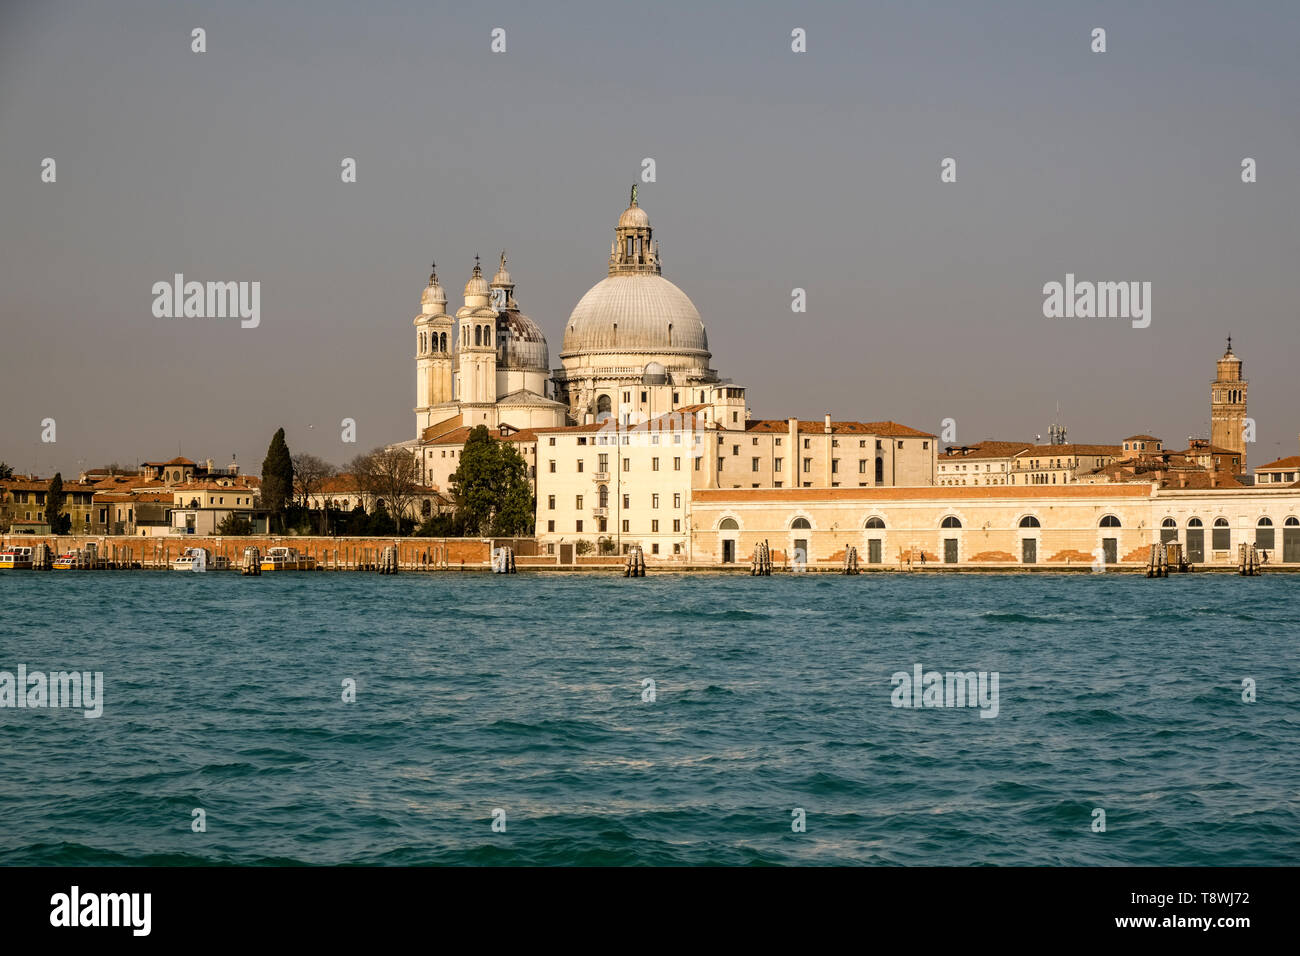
x: 600, y: 512
x: 600, y: 476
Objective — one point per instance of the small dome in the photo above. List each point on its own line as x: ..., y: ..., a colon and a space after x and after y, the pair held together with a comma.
x: 433, y: 294
x: 476, y: 285
x: 502, y: 277
x: 633, y: 217
x: 654, y: 374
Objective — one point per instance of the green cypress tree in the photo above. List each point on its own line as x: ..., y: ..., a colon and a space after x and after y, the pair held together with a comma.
x: 277, y: 477
x: 54, y: 499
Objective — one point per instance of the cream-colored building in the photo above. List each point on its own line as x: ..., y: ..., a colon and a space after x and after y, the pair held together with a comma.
x: 635, y: 355
x: 984, y: 463
x: 1059, y: 464
x: 614, y: 487
x: 1063, y: 526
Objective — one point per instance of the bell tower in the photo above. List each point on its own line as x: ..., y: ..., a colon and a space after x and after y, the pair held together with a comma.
x: 476, y: 353
x: 433, y: 342
x: 1228, y: 406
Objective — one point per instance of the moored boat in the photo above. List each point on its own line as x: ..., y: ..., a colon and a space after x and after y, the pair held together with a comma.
x: 73, y: 560
x: 199, y: 559
x: 286, y: 559
x: 16, y: 558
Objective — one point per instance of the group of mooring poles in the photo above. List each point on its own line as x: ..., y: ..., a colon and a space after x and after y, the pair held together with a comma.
x: 1166, y: 557
x: 387, y: 560
x: 1247, y: 560
x: 252, y: 563
x: 635, y: 566
x: 760, y: 565
x: 503, y: 561
x: 851, y: 561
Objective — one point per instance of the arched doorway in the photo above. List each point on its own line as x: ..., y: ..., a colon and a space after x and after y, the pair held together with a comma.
x: 800, y: 533
x: 951, y: 541
x: 729, y: 532
x: 1029, y: 528
x: 1168, y: 531
x: 1291, y: 539
x: 875, y: 539
x: 1195, y: 540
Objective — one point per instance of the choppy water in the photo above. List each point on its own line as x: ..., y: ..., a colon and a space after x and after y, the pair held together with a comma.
x: 478, y: 692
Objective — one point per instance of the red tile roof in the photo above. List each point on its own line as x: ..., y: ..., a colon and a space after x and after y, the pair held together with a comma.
x: 813, y: 426
x: 1292, y: 462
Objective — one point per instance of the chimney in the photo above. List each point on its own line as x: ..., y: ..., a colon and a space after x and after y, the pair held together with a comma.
x: 828, y: 423
x: 793, y: 424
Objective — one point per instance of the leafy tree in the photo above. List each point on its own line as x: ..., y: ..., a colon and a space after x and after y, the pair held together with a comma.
x: 6, y: 471
x: 54, y: 499
x: 582, y: 546
x: 490, y: 488
x: 234, y: 524
x: 277, y: 477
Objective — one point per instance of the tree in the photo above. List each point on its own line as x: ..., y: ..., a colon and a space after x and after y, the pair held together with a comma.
x: 390, y: 475
x: 234, y: 524
x: 491, y: 489
x: 309, y: 474
x: 277, y: 477
x: 54, y: 498
x: 6, y: 471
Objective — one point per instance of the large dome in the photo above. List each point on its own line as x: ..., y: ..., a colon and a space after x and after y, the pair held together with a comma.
x: 636, y: 312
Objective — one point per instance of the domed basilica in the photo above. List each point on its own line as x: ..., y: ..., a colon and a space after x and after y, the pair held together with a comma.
x: 634, y: 346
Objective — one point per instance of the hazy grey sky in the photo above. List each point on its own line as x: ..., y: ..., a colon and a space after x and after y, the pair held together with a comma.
x: 774, y: 170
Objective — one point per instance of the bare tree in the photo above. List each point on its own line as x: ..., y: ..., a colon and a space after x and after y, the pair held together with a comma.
x: 391, y: 475
x: 309, y: 472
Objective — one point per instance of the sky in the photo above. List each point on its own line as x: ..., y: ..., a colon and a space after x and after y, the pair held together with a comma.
x: 774, y: 170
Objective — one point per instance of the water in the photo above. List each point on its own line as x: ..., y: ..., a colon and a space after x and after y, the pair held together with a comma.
x: 477, y: 692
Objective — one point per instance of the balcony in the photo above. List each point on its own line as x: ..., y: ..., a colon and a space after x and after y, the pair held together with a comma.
x: 600, y: 476
x: 600, y: 512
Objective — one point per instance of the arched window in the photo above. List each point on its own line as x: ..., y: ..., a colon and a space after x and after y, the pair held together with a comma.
x: 487, y: 335
x: 1168, y: 531
x: 950, y: 522
x: 442, y: 342
x: 478, y: 335
x: 1221, y: 537
x: 1291, y: 522
x: 425, y: 508
x: 603, y: 493
x: 800, y: 524
x: 880, y: 471
x: 1029, y: 521
x: 603, y: 405
x: 1110, y: 521
x: 728, y: 524
x: 875, y: 523
x: 1194, y: 522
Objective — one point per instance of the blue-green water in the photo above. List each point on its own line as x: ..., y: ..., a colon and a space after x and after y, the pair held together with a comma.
x: 477, y: 692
